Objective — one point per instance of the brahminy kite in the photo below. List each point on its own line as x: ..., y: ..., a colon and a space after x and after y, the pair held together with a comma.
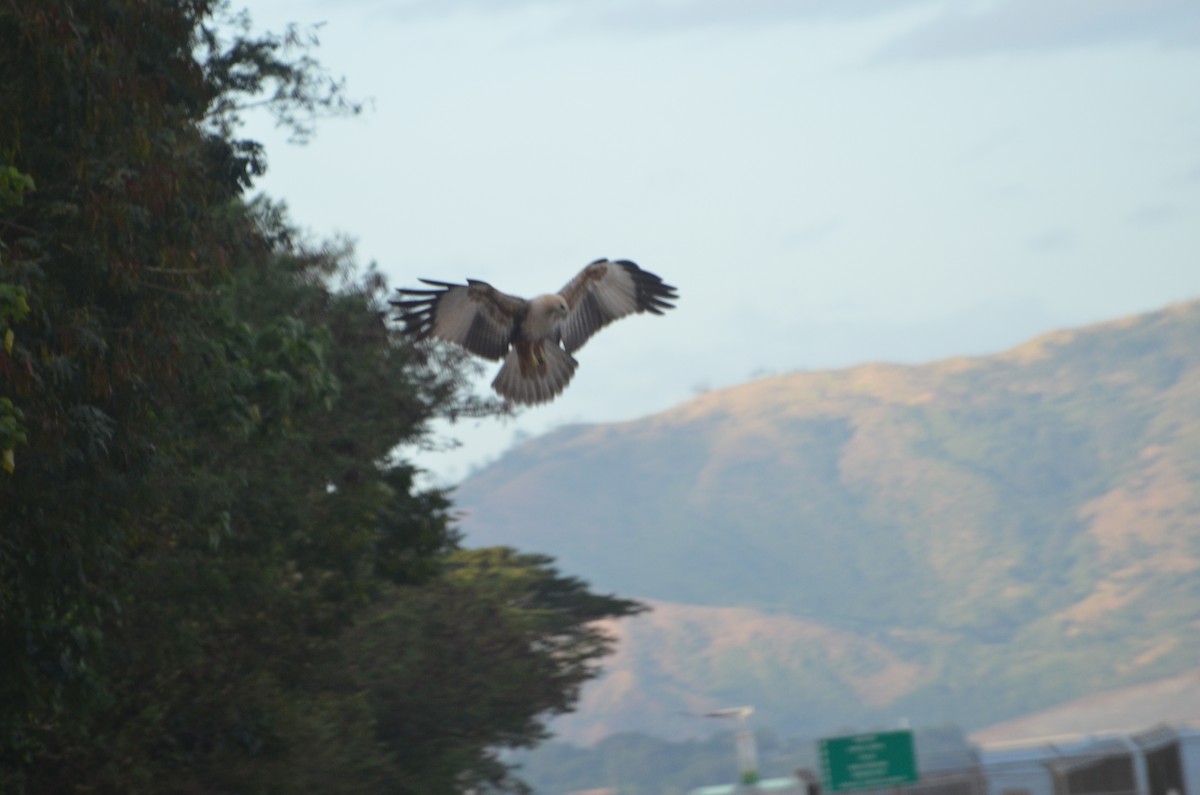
x: 535, y: 337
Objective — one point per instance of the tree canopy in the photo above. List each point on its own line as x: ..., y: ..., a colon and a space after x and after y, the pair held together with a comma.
x: 216, y: 575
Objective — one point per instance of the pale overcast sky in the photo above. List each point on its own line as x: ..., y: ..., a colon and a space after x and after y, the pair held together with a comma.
x: 827, y: 182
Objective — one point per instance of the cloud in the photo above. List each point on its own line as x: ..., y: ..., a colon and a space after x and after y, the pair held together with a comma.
x: 1037, y: 25
x: 964, y: 28
x: 1052, y: 240
x: 662, y: 15
x: 1154, y: 214
x: 673, y: 15
x: 810, y: 233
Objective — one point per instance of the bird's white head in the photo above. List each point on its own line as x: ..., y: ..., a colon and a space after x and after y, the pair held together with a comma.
x: 545, y: 313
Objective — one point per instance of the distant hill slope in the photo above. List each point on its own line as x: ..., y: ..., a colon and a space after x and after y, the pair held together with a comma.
x: 1173, y: 700
x: 679, y: 660
x: 1010, y: 531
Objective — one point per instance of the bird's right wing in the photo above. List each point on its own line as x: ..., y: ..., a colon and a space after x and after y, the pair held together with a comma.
x: 474, y: 315
x: 605, y: 291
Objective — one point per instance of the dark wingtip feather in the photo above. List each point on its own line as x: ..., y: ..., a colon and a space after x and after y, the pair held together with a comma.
x: 653, y: 294
x: 415, y: 307
x: 426, y: 293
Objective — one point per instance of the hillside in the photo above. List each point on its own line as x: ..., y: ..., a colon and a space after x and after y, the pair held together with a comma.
x: 1173, y: 700
x: 682, y: 659
x: 980, y: 537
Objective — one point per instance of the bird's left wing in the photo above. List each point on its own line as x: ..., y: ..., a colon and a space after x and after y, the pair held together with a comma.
x: 474, y: 315
x: 606, y: 290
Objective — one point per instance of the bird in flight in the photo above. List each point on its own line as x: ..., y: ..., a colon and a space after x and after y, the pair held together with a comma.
x: 535, y: 337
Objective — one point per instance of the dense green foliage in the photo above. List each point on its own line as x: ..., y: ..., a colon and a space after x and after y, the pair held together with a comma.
x: 215, y: 575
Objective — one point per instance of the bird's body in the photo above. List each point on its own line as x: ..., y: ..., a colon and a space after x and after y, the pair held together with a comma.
x: 534, y: 337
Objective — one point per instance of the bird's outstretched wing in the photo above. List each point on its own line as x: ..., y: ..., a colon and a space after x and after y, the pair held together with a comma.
x: 607, y: 290
x: 474, y: 315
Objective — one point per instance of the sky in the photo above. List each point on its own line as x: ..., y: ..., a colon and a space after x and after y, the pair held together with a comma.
x: 826, y: 182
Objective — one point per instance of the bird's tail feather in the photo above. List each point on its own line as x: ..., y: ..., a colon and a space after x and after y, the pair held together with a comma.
x: 541, y: 384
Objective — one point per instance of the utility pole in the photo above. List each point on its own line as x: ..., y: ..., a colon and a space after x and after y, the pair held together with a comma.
x: 747, y: 751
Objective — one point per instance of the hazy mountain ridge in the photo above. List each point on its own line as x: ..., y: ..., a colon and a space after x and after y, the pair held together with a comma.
x: 1011, y: 530
x: 701, y: 658
x: 1135, y: 708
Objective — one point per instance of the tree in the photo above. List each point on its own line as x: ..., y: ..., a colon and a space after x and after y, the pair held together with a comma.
x: 100, y: 104
x: 140, y: 395
x: 203, y: 522
x: 475, y: 661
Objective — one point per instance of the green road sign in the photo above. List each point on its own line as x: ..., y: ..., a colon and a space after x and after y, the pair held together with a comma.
x: 866, y: 761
